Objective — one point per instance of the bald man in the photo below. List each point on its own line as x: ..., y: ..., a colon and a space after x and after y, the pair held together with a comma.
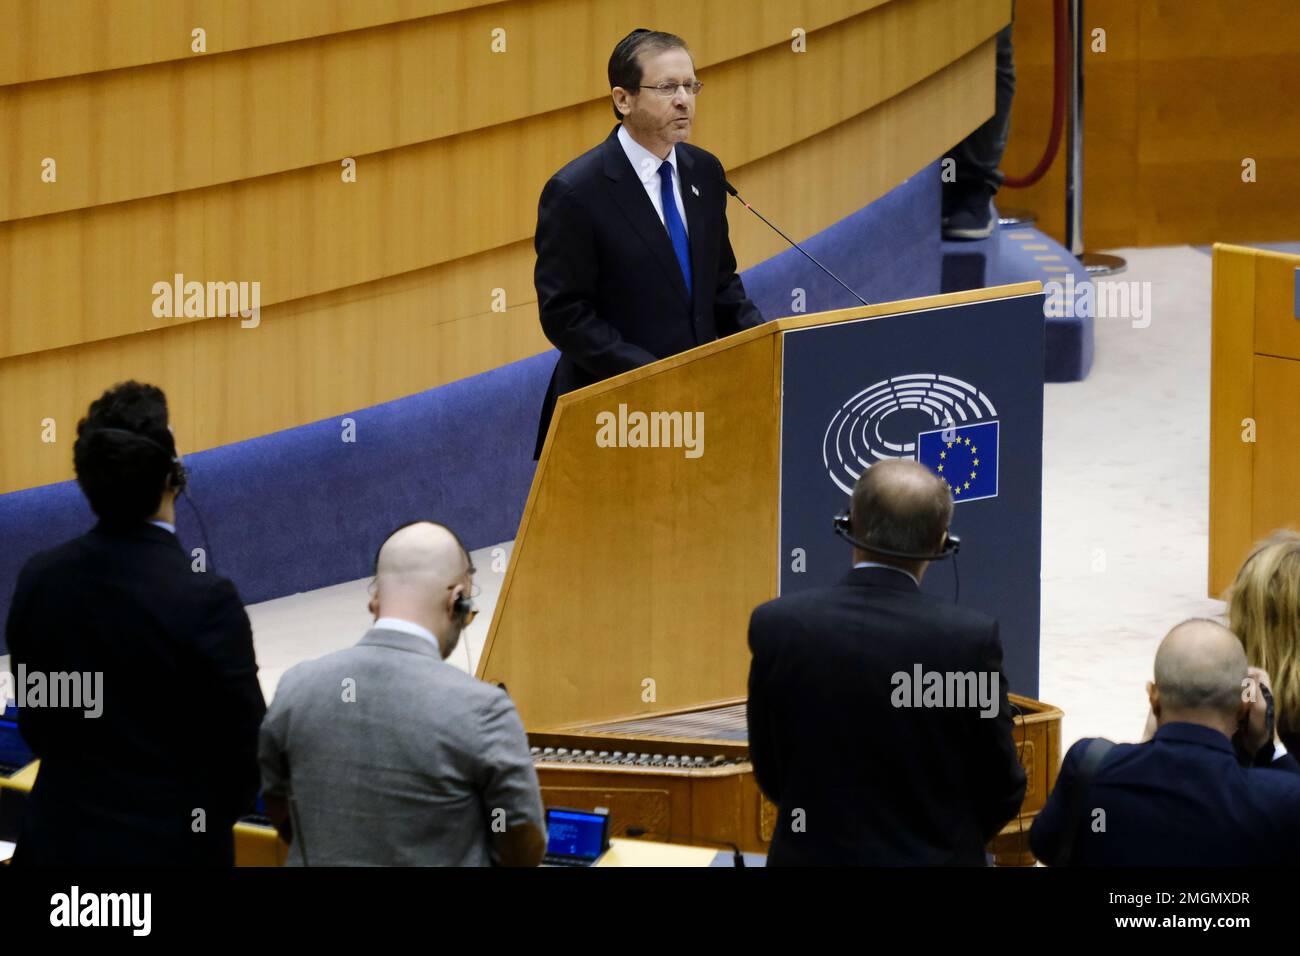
x: 1181, y: 798
x: 385, y: 755
x: 865, y: 766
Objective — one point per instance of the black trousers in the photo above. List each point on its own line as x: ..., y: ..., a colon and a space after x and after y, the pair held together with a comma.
x: 978, y: 156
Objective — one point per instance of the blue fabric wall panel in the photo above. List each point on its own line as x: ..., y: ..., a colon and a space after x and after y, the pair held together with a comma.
x: 887, y: 250
x: 301, y: 509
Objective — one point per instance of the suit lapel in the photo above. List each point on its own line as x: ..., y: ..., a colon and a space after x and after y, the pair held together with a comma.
x: 630, y: 194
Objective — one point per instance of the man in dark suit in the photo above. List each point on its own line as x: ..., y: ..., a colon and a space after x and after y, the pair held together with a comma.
x: 634, y: 262
x: 160, y: 774
x: 1181, y: 798
x: 878, y: 715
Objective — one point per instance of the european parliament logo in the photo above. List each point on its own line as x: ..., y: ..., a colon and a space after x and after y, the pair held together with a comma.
x: 943, y: 422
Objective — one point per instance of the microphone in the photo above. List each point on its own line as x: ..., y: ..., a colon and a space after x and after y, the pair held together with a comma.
x: 737, y: 858
x: 732, y: 189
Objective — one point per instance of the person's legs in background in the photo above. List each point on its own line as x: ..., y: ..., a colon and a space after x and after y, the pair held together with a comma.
x: 968, y: 211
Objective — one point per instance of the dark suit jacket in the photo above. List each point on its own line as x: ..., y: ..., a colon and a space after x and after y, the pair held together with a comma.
x: 610, y: 291
x: 1180, y: 799
x: 877, y: 784
x: 181, y: 704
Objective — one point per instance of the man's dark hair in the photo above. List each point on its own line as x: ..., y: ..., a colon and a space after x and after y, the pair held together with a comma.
x: 625, y: 61
x: 123, y: 476
x: 900, y: 505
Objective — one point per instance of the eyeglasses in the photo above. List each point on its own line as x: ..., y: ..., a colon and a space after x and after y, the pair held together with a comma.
x: 670, y: 89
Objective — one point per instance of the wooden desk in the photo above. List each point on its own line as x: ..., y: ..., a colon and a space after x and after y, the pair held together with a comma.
x: 23, y: 780
x: 647, y: 853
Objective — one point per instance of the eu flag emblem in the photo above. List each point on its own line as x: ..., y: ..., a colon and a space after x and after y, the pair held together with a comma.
x: 966, y: 458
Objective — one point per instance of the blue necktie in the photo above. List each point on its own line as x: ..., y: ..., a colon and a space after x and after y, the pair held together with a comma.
x: 673, y: 220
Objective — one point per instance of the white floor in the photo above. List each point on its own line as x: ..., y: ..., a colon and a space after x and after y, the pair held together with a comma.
x: 1125, y: 501
x: 1125, y: 491
x: 302, y: 626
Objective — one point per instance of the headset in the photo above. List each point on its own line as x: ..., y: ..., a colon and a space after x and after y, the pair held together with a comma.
x: 843, y: 524
x: 463, y: 609
x: 844, y: 528
x: 177, y: 477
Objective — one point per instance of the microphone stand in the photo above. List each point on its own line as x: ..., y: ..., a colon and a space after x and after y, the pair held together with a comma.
x: 732, y: 190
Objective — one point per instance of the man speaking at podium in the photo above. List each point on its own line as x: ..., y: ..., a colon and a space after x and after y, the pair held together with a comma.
x: 634, y: 262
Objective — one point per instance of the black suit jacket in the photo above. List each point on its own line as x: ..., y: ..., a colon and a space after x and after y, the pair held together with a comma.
x: 857, y: 780
x: 1180, y: 799
x: 181, y: 705
x: 610, y: 292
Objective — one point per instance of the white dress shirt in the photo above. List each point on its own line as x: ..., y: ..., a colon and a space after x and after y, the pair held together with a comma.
x: 407, y: 627
x: 873, y: 564
x: 647, y: 166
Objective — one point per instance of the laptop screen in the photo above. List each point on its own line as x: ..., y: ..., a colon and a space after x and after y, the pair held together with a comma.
x: 575, y: 834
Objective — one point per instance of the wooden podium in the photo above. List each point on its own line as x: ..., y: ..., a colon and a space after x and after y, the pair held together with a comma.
x: 1254, y: 381
x: 620, y: 631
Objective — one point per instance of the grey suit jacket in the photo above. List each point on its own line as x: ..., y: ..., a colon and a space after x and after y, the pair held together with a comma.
x: 394, y: 757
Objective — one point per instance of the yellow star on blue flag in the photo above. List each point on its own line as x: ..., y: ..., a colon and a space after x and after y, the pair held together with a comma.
x: 968, y: 455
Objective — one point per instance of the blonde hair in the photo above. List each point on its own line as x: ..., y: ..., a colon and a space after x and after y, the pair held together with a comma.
x: 1264, y: 613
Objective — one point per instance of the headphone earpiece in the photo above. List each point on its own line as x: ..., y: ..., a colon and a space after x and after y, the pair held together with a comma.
x: 178, y: 475
x: 462, y: 608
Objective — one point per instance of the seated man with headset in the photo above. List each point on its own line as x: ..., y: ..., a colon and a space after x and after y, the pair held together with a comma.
x: 864, y: 768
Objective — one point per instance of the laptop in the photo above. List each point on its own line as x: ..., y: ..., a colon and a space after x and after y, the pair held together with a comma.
x: 575, y: 837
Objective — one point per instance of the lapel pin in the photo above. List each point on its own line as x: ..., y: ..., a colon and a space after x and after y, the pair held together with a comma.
x: 696, y: 190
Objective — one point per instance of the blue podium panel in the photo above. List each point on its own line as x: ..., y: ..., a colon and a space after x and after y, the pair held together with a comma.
x: 958, y: 388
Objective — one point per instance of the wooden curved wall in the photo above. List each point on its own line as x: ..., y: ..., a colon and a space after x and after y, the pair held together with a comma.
x: 1182, y: 94
x: 227, y: 166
